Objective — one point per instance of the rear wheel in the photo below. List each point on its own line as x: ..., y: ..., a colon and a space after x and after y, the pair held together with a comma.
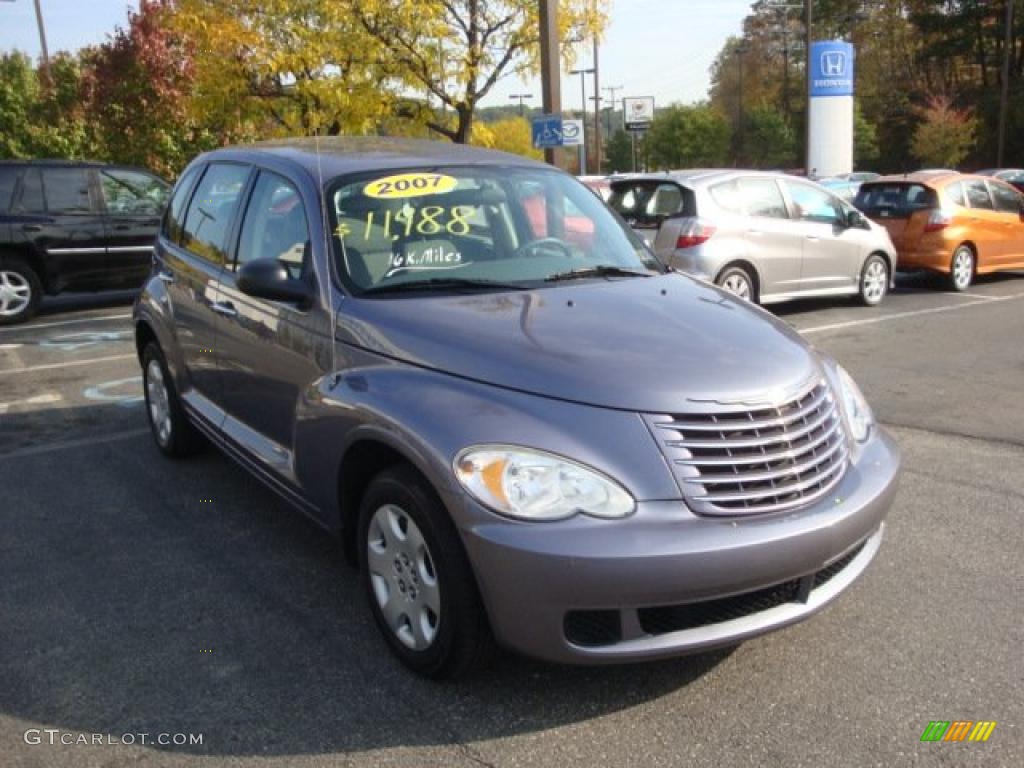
x: 418, y: 580
x: 20, y: 292
x: 961, y: 268
x: 172, y: 431
x: 737, y: 281
x: 874, y: 281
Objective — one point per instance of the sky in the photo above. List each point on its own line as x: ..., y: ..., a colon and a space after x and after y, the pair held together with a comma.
x: 659, y: 48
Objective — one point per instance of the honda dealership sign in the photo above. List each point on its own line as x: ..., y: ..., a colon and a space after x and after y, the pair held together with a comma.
x: 830, y: 136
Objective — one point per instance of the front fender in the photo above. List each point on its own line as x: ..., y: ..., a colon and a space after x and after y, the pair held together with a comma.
x: 428, y: 417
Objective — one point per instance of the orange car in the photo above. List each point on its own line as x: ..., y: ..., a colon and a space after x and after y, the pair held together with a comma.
x: 951, y: 223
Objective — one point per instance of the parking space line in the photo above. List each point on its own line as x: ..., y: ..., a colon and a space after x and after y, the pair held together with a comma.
x: 974, y: 296
x: 98, y: 318
x: 35, y: 450
x: 51, y: 366
x: 49, y: 397
x: 902, y: 315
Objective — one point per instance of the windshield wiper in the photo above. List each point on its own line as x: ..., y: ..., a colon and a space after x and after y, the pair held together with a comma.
x: 605, y: 270
x: 441, y: 284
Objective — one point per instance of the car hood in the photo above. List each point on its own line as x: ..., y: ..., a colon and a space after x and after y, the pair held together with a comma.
x: 643, y: 344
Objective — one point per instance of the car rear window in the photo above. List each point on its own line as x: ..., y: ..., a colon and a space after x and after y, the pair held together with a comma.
x: 649, y: 202
x: 8, y: 178
x: 894, y: 200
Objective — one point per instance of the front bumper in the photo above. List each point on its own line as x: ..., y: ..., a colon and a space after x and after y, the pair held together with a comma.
x: 632, y: 575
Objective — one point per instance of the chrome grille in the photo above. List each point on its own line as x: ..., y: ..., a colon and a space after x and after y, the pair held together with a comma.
x: 734, y: 459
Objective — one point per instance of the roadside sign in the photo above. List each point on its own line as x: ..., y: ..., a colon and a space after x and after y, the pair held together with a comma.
x: 547, y: 131
x: 638, y: 112
x: 572, y: 133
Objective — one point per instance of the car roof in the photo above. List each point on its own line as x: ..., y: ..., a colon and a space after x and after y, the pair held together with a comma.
x: 702, y: 176
x: 338, y: 155
x: 925, y: 178
x: 55, y: 161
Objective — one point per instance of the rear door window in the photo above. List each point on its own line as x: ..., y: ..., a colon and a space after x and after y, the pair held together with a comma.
x: 762, y: 197
x: 30, y: 199
x: 175, y: 218
x: 1007, y: 199
x: 8, y: 178
x: 67, y: 191
x: 955, y: 194
x: 978, y: 196
x: 894, y: 200
x: 212, y: 210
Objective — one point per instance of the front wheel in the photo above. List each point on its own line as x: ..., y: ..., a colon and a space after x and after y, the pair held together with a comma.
x: 874, y: 281
x: 737, y: 281
x: 961, y: 269
x: 418, y: 581
x: 20, y: 292
x: 172, y: 431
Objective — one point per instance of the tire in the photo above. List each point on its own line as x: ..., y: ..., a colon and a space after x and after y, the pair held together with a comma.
x: 739, y: 282
x: 173, y: 433
x: 961, y: 269
x: 874, y: 281
x: 20, y: 292
x: 418, y: 581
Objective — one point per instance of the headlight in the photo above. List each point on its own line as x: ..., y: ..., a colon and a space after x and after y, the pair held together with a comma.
x: 858, y: 412
x: 533, y: 485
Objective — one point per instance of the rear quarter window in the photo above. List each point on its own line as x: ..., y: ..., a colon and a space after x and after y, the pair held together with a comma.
x: 894, y: 200
x: 651, y: 202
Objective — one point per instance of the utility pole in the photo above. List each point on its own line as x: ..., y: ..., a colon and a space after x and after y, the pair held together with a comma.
x: 597, y: 109
x: 1004, y: 96
x: 550, y: 63
x: 522, y: 97
x: 809, y: 34
x: 583, y: 105
x: 612, y: 89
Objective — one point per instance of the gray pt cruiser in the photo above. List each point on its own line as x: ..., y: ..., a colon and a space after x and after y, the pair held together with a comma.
x: 523, y: 427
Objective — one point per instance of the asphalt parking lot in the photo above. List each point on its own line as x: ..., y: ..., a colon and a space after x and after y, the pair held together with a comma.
x: 139, y: 595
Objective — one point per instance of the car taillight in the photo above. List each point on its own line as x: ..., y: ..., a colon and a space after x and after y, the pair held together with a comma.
x: 695, y: 233
x: 937, y: 219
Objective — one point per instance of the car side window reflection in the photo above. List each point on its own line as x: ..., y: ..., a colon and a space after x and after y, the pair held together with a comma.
x: 1007, y: 199
x: 977, y: 194
x: 815, y: 204
x: 762, y: 197
x: 212, y: 210
x: 275, y: 225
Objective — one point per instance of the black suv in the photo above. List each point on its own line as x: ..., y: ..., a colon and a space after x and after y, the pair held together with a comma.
x: 68, y: 225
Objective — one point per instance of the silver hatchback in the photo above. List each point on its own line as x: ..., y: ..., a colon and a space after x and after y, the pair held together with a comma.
x: 766, y: 237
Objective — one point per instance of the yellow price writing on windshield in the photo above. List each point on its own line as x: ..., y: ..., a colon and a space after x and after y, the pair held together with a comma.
x: 410, y: 185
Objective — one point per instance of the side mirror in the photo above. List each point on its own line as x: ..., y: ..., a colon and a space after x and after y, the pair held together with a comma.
x: 270, y: 279
x: 855, y: 219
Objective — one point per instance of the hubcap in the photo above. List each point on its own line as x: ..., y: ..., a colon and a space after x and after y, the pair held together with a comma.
x: 875, y: 279
x: 403, y: 577
x: 737, y: 284
x: 159, y: 402
x: 15, y: 293
x: 962, y: 268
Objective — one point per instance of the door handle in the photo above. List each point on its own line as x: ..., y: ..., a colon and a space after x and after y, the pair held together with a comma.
x: 813, y: 238
x: 122, y: 227
x: 166, y: 277
x: 755, y: 232
x: 31, y: 228
x: 225, y: 308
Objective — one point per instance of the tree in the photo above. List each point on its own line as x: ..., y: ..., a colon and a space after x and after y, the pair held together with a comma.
x: 456, y: 50
x: 512, y: 134
x: 865, y: 140
x: 768, y: 140
x: 279, y: 67
x: 136, y: 89
x: 688, y: 137
x: 618, y: 152
x: 945, y: 135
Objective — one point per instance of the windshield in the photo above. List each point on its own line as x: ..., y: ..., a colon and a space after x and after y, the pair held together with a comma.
x: 505, y: 227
